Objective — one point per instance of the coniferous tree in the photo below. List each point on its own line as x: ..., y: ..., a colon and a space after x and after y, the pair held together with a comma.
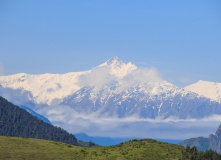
x: 15, y: 121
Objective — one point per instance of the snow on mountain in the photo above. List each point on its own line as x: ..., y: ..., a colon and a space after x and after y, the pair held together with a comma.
x: 118, y: 68
x: 44, y: 88
x: 48, y: 87
x: 207, y: 89
x: 113, y: 89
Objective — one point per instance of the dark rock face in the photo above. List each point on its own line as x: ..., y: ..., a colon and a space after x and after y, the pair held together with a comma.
x: 218, y: 132
x: 212, y: 142
x: 217, y: 140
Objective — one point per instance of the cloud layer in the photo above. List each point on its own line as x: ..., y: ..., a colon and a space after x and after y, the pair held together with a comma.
x: 170, y: 128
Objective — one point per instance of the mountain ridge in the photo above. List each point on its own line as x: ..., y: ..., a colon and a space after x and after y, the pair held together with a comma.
x: 55, y: 86
x: 212, y: 142
x: 113, y: 89
x: 36, y: 114
x: 207, y: 89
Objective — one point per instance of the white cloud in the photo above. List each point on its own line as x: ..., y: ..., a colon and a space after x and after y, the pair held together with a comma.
x: 170, y: 128
x: 101, y: 76
x: 98, y: 77
x: 141, y: 75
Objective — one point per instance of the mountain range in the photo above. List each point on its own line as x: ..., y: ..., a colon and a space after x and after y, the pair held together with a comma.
x: 113, y: 89
x: 15, y: 121
x: 109, y: 141
x: 212, y: 142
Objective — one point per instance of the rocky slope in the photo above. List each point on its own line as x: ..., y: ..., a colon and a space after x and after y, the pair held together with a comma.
x: 212, y: 142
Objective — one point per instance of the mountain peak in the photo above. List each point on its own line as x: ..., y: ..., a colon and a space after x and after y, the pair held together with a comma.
x: 207, y: 89
x: 118, y: 67
x: 114, y: 61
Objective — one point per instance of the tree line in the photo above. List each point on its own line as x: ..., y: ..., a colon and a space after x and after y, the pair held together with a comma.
x: 15, y: 121
x: 194, y: 154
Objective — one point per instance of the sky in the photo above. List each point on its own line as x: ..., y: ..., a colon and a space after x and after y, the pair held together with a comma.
x: 181, y: 39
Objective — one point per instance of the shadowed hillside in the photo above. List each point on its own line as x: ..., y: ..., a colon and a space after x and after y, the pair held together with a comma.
x: 15, y: 121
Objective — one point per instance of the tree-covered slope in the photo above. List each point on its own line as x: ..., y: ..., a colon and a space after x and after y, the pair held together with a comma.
x: 15, y: 121
x: 27, y: 148
x: 145, y: 149
x: 35, y: 114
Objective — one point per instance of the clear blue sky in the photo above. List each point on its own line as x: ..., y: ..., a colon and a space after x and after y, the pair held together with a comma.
x: 182, y: 39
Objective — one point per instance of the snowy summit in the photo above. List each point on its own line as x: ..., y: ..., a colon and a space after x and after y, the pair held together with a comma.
x: 112, y: 89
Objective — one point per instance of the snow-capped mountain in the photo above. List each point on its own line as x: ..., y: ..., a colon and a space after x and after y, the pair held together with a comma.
x: 138, y: 102
x: 207, y: 89
x: 113, y: 89
x: 43, y: 88
x: 47, y: 87
x: 117, y: 67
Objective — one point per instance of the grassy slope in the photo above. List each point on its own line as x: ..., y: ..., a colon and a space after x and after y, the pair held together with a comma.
x: 27, y: 148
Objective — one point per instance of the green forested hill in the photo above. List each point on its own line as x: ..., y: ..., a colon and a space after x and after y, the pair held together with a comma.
x: 14, y: 148
x: 15, y: 121
x: 28, y: 148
